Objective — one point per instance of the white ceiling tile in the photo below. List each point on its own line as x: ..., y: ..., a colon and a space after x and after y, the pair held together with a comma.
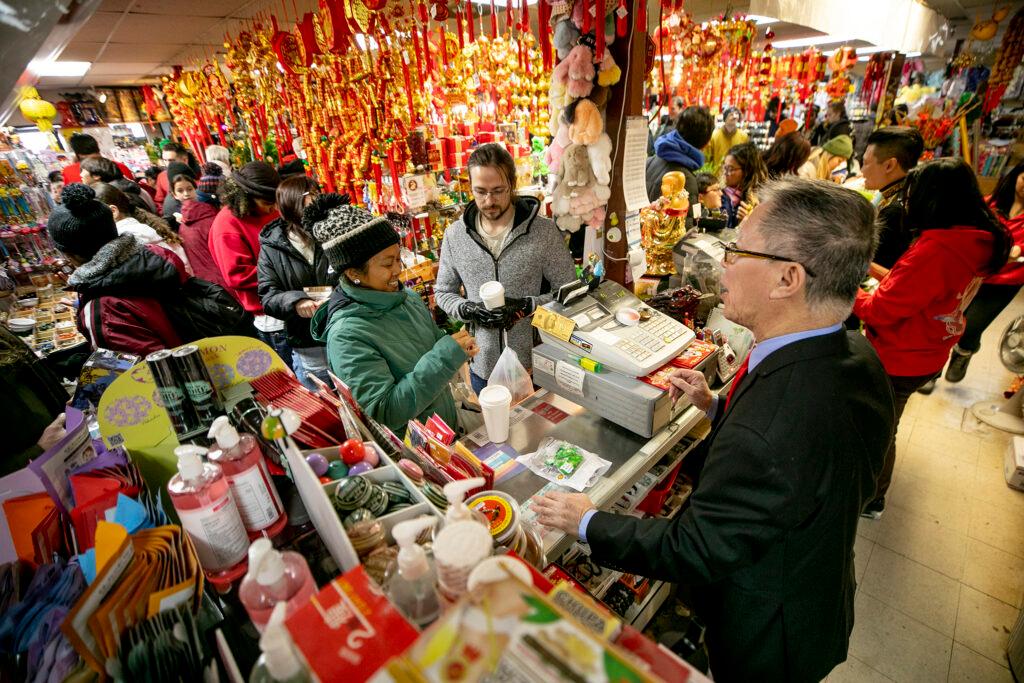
x: 80, y: 51
x: 140, y: 52
x: 107, y: 68
x: 197, y: 8
x: 98, y: 27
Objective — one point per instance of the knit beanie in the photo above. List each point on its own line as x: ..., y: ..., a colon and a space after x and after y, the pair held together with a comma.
x: 209, y: 182
x: 81, y: 224
x: 259, y: 179
x: 349, y: 235
x: 840, y: 146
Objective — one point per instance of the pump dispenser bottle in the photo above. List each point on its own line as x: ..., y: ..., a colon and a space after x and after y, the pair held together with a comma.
x: 246, y: 471
x: 274, y: 577
x: 278, y: 663
x: 413, y: 588
x: 455, y: 492
x: 202, y: 497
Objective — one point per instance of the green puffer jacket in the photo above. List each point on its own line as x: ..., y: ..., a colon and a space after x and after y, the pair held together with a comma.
x: 388, y: 350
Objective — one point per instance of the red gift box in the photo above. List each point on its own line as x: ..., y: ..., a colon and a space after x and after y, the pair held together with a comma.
x: 518, y: 151
x: 441, y: 130
x: 348, y: 630
x: 460, y: 143
x: 468, y: 129
x: 490, y: 136
x: 457, y: 160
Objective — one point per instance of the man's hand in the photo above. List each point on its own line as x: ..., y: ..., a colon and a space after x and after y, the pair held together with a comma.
x: 515, y: 310
x: 53, y: 433
x: 693, y: 385
x: 307, y: 308
x: 476, y: 312
x: 563, y: 511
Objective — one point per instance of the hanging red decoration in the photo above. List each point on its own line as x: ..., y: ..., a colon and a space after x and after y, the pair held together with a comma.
x: 621, y: 13
x: 599, y: 31
x: 470, y: 21
x: 641, y: 16
x: 494, y: 21
x: 585, y: 28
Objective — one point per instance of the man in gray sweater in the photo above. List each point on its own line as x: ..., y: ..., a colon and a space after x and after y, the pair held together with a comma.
x: 499, y: 237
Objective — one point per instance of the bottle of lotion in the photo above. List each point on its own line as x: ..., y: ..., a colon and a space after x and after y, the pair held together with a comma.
x: 202, y: 497
x: 274, y: 577
x: 246, y: 471
x: 413, y: 589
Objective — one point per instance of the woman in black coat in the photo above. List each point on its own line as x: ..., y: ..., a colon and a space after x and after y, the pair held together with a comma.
x: 290, y: 261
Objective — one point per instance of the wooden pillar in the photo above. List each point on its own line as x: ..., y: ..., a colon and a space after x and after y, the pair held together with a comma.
x: 630, y: 53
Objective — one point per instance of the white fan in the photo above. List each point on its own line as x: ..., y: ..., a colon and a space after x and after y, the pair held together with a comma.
x: 1007, y: 415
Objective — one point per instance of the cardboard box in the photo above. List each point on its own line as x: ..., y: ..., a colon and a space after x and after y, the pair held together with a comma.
x: 441, y: 130
x: 1013, y: 468
x: 518, y: 151
x: 485, y: 137
x: 460, y: 143
x: 457, y: 160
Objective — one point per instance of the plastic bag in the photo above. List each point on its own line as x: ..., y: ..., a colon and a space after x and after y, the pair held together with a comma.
x: 565, y: 464
x: 511, y: 374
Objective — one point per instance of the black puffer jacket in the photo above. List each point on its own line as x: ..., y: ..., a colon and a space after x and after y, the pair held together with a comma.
x: 282, y: 273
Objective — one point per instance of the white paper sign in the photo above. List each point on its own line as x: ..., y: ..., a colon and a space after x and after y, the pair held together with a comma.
x: 634, y: 164
x: 570, y: 377
x: 415, y: 189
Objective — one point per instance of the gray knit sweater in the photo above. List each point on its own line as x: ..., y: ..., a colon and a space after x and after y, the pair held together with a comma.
x: 534, y: 253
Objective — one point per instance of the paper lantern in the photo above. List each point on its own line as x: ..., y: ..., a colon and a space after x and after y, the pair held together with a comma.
x: 36, y: 109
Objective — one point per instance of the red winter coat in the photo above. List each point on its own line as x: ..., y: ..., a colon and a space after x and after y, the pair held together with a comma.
x: 1012, y: 273
x: 194, y: 230
x: 162, y: 190
x: 72, y: 173
x: 120, y: 290
x: 916, y: 315
x: 235, y: 245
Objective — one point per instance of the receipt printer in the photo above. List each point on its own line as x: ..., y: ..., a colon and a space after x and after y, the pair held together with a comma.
x: 624, y: 400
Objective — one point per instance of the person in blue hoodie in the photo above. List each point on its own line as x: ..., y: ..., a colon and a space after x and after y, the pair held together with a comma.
x: 680, y: 150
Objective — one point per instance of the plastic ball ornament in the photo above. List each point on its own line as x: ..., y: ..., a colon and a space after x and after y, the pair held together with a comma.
x: 337, y: 469
x: 360, y: 468
x: 318, y: 463
x: 372, y: 457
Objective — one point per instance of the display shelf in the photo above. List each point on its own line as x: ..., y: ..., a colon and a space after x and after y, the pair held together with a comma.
x: 640, y: 614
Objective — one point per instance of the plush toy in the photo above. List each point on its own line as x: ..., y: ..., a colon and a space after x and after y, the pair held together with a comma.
x: 585, y: 123
x: 555, y: 151
x: 580, y: 70
x: 569, y: 223
x: 609, y: 20
x: 576, y: 171
x: 608, y: 73
x: 600, y: 153
x: 596, y: 217
x: 582, y: 203
x: 565, y: 36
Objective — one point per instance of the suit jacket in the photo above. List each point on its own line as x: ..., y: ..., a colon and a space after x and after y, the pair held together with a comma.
x: 768, y: 538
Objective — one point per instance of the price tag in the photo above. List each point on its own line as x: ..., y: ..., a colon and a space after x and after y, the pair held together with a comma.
x: 555, y: 324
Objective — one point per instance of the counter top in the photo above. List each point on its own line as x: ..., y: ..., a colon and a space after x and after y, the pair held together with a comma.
x: 631, y: 455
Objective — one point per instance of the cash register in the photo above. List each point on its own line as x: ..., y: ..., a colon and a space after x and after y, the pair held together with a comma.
x: 596, y: 361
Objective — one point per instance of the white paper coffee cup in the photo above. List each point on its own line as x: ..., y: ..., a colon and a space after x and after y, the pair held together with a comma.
x: 493, y: 294
x: 496, y: 405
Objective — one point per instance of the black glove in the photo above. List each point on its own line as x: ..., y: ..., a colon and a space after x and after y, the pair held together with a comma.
x: 515, y: 310
x: 475, y: 312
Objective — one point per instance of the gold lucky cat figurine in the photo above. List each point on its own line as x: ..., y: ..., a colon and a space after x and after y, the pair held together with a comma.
x: 664, y: 224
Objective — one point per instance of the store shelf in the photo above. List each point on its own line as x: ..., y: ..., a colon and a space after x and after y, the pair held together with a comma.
x: 639, y: 615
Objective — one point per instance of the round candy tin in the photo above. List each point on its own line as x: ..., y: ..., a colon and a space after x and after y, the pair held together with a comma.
x: 411, y: 470
x: 356, y: 516
x: 352, y: 493
x: 502, y: 512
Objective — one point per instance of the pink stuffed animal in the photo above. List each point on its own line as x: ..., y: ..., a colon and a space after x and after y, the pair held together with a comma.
x: 580, y: 70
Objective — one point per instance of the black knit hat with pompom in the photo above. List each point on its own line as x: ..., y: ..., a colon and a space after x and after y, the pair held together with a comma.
x: 209, y: 182
x: 81, y: 224
x: 349, y: 235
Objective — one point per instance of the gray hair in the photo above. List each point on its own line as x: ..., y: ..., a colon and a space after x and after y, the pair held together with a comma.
x: 827, y: 228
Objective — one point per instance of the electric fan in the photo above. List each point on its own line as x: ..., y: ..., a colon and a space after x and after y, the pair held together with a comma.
x: 1006, y: 415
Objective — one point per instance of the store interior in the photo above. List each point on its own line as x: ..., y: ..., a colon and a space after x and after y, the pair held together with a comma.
x: 217, y: 470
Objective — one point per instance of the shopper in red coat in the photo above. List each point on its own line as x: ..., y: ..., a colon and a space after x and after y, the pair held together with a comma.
x: 119, y: 281
x: 248, y: 195
x: 196, y: 222
x: 996, y: 293
x: 916, y: 315
x: 84, y: 147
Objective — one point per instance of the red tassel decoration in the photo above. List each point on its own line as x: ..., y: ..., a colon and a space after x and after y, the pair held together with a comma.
x: 508, y: 15
x: 544, y: 37
x: 599, y: 31
x: 408, y: 87
x: 494, y: 21
x: 470, y: 21
x: 585, y: 29
x: 458, y: 28
x: 444, y: 48
x: 621, y: 18
x: 526, y: 18
x: 641, y: 17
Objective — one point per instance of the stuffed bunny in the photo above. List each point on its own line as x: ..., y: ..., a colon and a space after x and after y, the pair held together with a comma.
x: 600, y: 153
x: 585, y: 122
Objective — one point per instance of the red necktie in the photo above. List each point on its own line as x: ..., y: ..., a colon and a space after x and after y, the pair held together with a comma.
x: 740, y: 374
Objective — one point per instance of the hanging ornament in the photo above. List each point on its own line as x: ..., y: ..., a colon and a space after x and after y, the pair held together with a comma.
x: 439, y: 11
x: 36, y: 109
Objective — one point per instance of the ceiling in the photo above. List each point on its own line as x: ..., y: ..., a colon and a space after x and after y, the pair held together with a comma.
x: 130, y: 42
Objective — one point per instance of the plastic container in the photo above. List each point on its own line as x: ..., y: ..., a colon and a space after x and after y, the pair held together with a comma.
x: 251, y: 486
x: 278, y: 663
x: 507, y: 527
x: 413, y: 588
x: 496, y: 405
x: 493, y: 294
x: 202, y: 497
x: 458, y: 549
x: 274, y: 577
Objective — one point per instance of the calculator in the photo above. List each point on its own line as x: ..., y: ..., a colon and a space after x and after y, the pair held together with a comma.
x: 615, y: 328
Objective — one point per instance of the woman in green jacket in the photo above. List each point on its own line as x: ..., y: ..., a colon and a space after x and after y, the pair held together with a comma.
x: 381, y: 339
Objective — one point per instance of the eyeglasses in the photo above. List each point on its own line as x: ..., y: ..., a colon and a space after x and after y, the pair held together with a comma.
x: 497, y: 194
x: 732, y: 253
x: 730, y: 169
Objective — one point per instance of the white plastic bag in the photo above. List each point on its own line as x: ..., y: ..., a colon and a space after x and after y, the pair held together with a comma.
x: 511, y: 374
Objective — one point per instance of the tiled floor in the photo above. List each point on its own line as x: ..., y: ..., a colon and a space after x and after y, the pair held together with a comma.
x: 941, y: 574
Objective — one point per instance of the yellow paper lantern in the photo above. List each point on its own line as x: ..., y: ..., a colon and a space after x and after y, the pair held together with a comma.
x: 37, y: 110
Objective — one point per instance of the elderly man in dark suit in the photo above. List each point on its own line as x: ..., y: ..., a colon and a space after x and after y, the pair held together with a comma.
x: 767, y: 541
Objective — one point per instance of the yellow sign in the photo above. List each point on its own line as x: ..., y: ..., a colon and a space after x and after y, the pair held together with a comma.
x: 555, y: 324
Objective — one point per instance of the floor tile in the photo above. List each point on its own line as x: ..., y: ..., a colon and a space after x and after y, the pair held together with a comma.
x: 967, y: 666
x: 868, y: 528
x: 998, y: 526
x: 917, y: 591
x: 946, y: 505
x: 948, y: 442
x: 924, y: 540
x: 855, y: 671
x: 862, y: 549
x: 899, y: 647
x: 935, y: 469
x: 990, y: 485
x: 994, y: 572
x: 983, y: 624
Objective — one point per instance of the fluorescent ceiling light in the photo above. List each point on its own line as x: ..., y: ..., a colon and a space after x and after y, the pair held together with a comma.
x: 762, y: 21
x: 53, y: 68
x: 814, y: 40
x: 913, y: 54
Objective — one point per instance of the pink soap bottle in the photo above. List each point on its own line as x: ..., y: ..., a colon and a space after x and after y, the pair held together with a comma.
x: 202, y: 497
x: 274, y: 577
x: 242, y: 461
